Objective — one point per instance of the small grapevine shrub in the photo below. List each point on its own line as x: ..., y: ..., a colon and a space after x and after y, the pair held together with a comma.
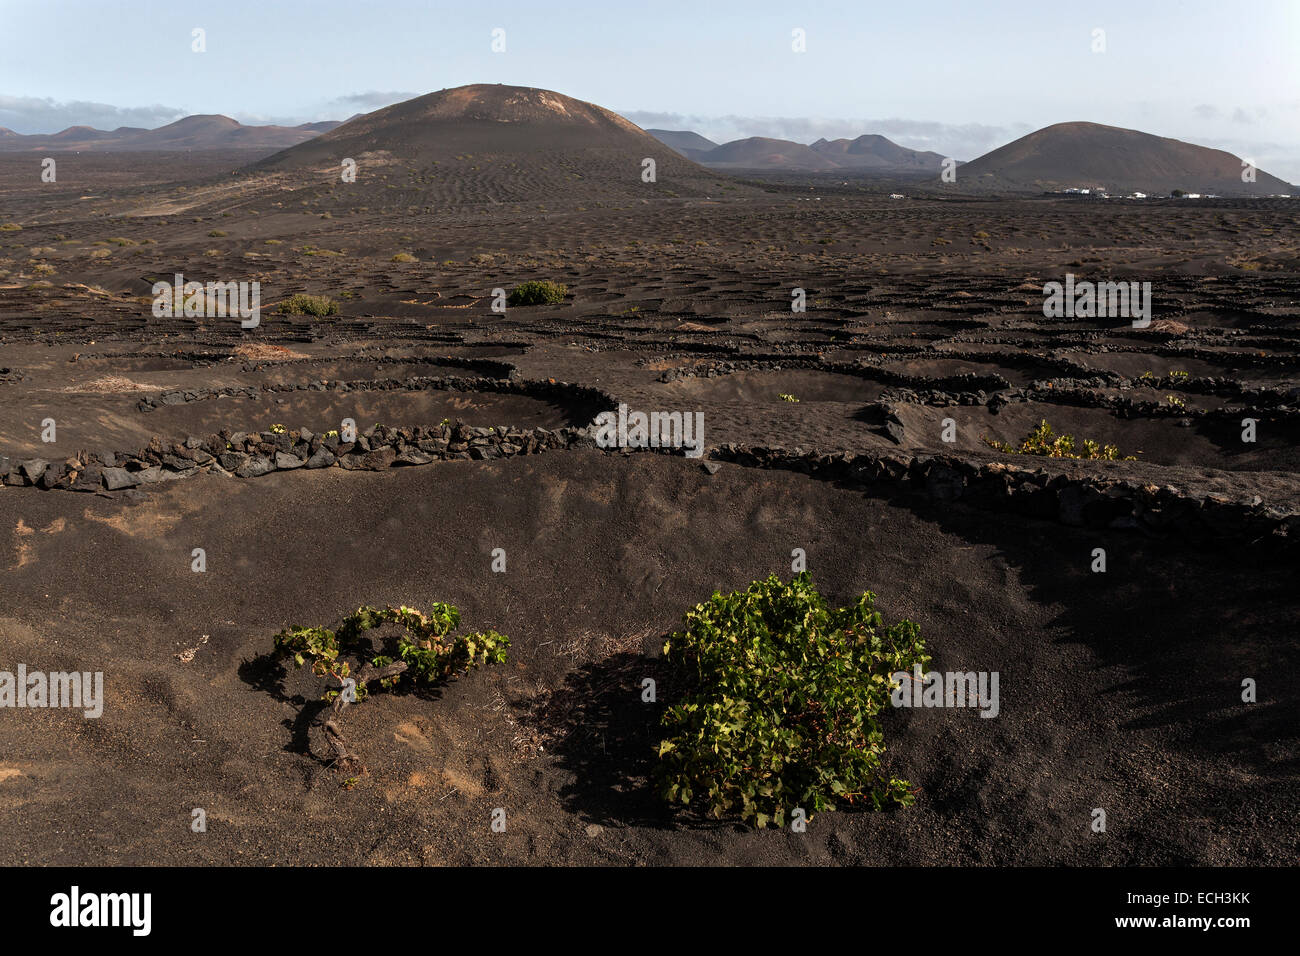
x: 303, y: 304
x: 424, y: 645
x: 537, y: 293
x: 782, y: 702
x: 1042, y: 441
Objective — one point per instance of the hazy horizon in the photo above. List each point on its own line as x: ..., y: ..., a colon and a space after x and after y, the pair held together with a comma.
x: 1188, y: 71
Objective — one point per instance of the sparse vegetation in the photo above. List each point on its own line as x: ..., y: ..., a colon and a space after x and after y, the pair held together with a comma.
x: 1045, y: 443
x: 781, y: 701
x: 403, y: 257
x: 303, y: 304
x: 787, y: 398
x: 537, y: 293
x: 421, y: 652
x: 217, y: 234
x: 10, y: 227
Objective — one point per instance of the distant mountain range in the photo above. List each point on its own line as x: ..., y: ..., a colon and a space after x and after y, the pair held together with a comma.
x: 875, y: 152
x: 682, y: 140
x: 867, y: 152
x: 192, y: 132
x: 1065, y: 156
x: 450, y: 125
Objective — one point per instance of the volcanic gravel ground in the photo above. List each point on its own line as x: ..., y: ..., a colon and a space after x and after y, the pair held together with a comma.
x: 1119, y: 690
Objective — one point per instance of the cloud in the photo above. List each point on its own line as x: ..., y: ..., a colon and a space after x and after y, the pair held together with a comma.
x: 1206, y: 112
x: 373, y: 100
x: 961, y: 141
x: 30, y: 114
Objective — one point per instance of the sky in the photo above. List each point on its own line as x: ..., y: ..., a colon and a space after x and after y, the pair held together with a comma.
x: 959, y: 78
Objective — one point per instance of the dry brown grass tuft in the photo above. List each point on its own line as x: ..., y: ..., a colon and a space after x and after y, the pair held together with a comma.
x: 267, y: 353
x: 115, y: 383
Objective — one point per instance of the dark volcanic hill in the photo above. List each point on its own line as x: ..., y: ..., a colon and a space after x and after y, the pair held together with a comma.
x: 191, y: 132
x: 499, y: 143
x: 80, y: 134
x: 872, y: 151
x: 1120, y: 160
x: 683, y: 140
x: 866, y: 154
x: 761, y: 152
